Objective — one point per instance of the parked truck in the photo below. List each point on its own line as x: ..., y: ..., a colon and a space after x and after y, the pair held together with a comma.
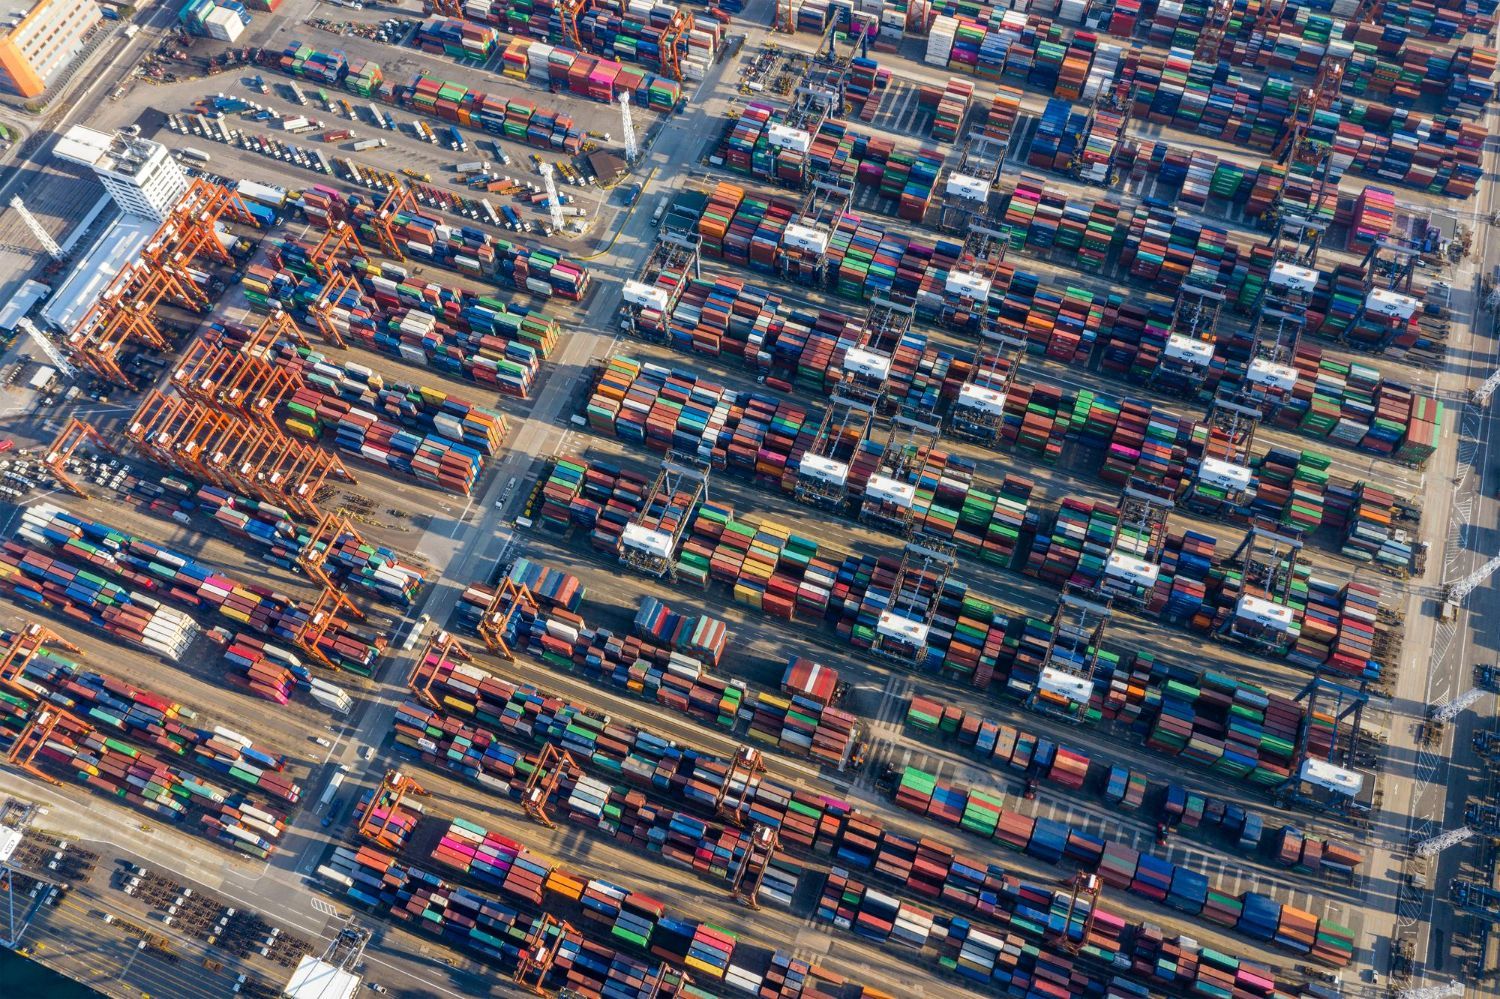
x: 364, y: 144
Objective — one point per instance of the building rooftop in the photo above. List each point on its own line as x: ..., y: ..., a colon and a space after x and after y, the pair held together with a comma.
x: 29, y: 294
x: 316, y: 979
x: 110, y: 153
x: 120, y: 244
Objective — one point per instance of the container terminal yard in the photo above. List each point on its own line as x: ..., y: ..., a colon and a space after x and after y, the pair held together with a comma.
x: 810, y: 499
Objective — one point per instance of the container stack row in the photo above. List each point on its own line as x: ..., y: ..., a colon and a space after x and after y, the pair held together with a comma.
x: 173, y: 576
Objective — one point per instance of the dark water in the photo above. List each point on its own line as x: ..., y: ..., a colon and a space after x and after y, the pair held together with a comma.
x: 21, y: 978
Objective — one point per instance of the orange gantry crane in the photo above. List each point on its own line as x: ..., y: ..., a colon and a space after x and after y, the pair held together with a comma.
x: 322, y: 618
x: 21, y: 646
x: 764, y: 843
x: 568, y: 12
x: 393, y: 790
x: 339, y: 243
x: 1211, y: 36
x: 75, y: 433
x: 397, y: 200
x: 322, y: 310
x: 675, y: 33
x: 441, y: 650
x: 786, y: 17
x: 313, y: 556
x: 540, y: 953
x: 234, y: 453
x: 243, y: 377
x: 509, y: 598
x: 747, y: 763
x: 125, y: 312
x: 551, y: 765
x: 44, y: 722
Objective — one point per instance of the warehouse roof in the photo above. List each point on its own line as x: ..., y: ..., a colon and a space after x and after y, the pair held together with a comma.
x: 606, y: 166
x: 317, y: 979
x: 119, y: 245
x: 30, y: 293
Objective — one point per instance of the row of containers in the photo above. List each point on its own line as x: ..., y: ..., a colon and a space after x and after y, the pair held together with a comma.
x: 858, y: 257
x: 461, y: 736
x: 144, y: 750
x: 512, y: 118
x: 632, y: 31
x: 1376, y: 134
x: 1007, y: 748
x: 1122, y: 867
x: 1381, y: 63
x: 927, y: 491
x: 1232, y: 728
x: 96, y: 574
x: 538, y: 271
x: 553, y: 66
x: 672, y: 664
x: 484, y: 339
x: 1432, y: 21
x: 438, y: 439
x: 616, y: 942
x: 1325, y: 399
x: 972, y: 639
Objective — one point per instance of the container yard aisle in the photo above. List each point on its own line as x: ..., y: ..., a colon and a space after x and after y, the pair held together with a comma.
x: 1424, y: 789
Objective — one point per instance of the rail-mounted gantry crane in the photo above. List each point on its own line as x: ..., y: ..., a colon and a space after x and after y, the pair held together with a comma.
x: 538, y: 957
x: 234, y: 453
x: 394, y: 788
x: 74, y: 434
x: 440, y: 650
x: 551, y: 765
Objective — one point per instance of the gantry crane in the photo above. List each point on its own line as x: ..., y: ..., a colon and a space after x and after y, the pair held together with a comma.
x: 21, y: 646
x: 393, y: 790
x: 44, y: 721
x: 904, y: 627
x: 322, y: 310
x: 321, y: 619
x: 540, y: 953
x: 786, y: 17
x: 1211, y: 35
x: 1087, y: 888
x: 124, y: 313
x: 441, y: 650
x: 764, y: 842
x: 509, y: 598
x: 659, y: 981
x: 236, y: 377
x: 551, y: 765
x: 746, y: 765
x: 312, y: 556
x: 397, y: 200
x: 568, y: 12
x: 339, y: 243
x: 234, y: 453
x: 75, y: 433
x: 676, y: 30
